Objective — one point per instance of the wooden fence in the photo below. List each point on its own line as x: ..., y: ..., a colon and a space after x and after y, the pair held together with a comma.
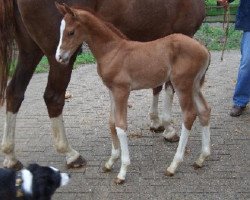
x: 216, y: 14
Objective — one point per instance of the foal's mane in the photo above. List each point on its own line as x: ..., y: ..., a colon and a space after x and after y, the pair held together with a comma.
x: 115, y: 30
x: 108, y: 24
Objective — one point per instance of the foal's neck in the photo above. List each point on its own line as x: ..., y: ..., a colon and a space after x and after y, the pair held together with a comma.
x: 101, y: 39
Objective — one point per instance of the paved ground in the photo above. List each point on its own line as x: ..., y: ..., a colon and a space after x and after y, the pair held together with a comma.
x: 226, y: 174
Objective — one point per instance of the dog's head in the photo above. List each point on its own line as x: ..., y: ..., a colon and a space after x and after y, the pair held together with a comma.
x: 41, y: 182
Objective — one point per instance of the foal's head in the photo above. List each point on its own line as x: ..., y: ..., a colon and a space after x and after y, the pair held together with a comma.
x: 71, y: 33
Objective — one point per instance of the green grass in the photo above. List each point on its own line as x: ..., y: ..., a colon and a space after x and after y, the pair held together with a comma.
x: 43, y: 66
x: 84, y: 58
x: 213, y: 37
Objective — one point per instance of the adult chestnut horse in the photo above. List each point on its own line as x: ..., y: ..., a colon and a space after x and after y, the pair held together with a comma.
x: 34, y: 25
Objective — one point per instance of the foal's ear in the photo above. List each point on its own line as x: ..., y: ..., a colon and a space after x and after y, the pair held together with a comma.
x: 61, y: 8
x: 69, y: 10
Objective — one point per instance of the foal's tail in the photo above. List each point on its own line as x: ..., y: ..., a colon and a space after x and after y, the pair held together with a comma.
x: 7, y: 29
x: 203, y: 77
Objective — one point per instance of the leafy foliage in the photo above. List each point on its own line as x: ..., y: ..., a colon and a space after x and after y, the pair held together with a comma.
x: 214, y: 36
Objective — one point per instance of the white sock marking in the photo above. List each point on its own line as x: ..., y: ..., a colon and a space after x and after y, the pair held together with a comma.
x: 8, y: 143
x: 115, y: 153
x: 124, y: 152
x: 9, y: 128
x: 206, y: 140
x: 180, y: 150
x: 167, y: 105
x: 205, y: 150
x: 154, y: 105
x: 167, y: 112
x: 61, y: 141
x: 153, y: 113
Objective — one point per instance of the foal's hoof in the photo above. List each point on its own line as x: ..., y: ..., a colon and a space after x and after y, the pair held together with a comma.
x: 158, y: 129
x: 197, y: 166
x: 17, y: 166
x: 168, y: 173
x: 118, y: 181
x: 173, y: 139
x: 78, y: 163
x: 106, y: 170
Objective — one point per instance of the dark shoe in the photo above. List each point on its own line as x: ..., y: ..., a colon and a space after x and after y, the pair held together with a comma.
x: 236, y: 111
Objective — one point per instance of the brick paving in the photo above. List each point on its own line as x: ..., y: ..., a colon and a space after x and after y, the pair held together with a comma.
x: 226, y: 175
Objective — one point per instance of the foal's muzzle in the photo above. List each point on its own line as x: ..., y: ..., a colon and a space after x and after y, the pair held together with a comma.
x: 62, y: 57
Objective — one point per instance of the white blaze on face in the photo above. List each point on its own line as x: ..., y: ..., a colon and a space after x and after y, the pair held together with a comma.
x: 58, y: 50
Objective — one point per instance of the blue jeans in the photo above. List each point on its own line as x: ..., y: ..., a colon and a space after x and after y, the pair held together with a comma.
x: 242, y: 89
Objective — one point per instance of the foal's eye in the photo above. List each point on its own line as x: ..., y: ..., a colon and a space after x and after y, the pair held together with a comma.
x: 70, y: 33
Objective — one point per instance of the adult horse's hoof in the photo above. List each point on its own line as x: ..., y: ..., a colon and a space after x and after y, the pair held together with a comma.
x: 168, y: 173
x: 157, y: 129
x: 78, y: 163
x: 173, y: 139
x: 118, y: 181
x: 197, y: 166
x: 106, y: 170
x: 17, y: 166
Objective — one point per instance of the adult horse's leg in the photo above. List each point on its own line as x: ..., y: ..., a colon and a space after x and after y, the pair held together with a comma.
x: 54, y: 96
x: 164, y: 123
x: 169, y: 133
x: 29, y: 57
x: 120, y: 96
x: 156, y: 123
x: 115, y: 152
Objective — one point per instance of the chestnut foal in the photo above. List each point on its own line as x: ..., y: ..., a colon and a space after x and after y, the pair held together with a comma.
x: 126, y: 65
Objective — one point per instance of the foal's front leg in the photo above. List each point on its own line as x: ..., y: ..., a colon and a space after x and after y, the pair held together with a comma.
x: 115, y: 153
x: 120, y: 96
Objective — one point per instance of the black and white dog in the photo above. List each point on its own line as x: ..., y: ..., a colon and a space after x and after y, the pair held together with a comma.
x: 33, y: 183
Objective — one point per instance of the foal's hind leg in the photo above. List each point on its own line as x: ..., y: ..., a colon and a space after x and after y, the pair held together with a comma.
x: 115, y: 153
x: 27, y: 62
x: 54, y: 96
x: 170, y: 133
x: 156, y: 124
x: 204, y: 117
x: 189, y: 115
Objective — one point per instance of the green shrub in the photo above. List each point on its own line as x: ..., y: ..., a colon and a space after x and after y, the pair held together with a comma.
x: 213, y: 37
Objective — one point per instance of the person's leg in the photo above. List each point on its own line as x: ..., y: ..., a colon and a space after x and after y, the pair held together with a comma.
x: 242, y: 89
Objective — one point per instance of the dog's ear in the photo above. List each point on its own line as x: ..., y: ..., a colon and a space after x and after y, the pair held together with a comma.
x: 33, y: 167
